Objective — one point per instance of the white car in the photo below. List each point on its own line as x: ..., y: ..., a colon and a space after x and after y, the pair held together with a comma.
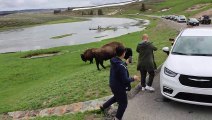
x: 186, y: 75
x: 181, y: 19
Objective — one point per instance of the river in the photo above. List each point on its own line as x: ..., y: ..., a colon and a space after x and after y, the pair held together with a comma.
x: 41, y: 37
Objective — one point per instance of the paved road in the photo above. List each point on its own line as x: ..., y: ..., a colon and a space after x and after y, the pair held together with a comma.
x: 150, y: 106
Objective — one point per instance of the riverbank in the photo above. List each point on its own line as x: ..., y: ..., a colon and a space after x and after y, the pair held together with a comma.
x: 17, y: 21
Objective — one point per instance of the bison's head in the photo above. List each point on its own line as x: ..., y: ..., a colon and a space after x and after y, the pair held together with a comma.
x: 83, y: 57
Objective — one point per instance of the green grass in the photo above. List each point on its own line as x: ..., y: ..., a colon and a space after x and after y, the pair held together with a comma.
x: 177, y: 7
x: 65, y: 79
x: 62, y: 36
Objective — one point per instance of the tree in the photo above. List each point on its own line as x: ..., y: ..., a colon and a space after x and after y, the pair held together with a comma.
x: 91, y: 12
x: 143, y: 7
x: 70, y: 9
x: 83, y: 13
x: 100, y: 12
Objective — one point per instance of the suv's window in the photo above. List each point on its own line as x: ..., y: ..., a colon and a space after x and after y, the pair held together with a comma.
x: 193, y: 20
x: 193, y: 45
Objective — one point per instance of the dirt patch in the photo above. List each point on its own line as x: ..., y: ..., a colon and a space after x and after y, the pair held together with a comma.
x: 114, y: 12
x: 165, y: 9
x: 41, y: 55
x: 197, y: 7
x: 207, y: 12
x: 5, y: 117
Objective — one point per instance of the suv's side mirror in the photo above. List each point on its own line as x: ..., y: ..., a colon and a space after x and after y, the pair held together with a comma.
x: 166, y: 50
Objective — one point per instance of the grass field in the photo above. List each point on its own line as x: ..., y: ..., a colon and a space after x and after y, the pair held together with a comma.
x: 46, y: 82
x: 177, y: 6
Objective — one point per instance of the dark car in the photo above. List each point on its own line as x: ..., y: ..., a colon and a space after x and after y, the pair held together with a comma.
x: 193, y: 22
x: 168, y: 17
x: 172, y: 17
x: 205, y: 19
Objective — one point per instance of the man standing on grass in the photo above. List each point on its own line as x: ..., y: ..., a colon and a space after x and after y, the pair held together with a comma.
x: 119, y: 83
x: 146, y: 62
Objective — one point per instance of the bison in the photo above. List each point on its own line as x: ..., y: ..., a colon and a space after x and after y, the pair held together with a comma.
x: 104, y: 53
x: 88, y: 55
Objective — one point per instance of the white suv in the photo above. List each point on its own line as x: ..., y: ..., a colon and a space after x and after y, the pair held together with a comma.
x: 186, y: 75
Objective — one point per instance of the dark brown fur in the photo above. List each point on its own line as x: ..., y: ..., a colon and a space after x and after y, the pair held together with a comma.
x: 88, y: 55
x: 102, y: 54
x: 106, y: 52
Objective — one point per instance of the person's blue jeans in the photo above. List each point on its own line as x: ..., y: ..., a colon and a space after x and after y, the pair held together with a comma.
x: 120, y: 96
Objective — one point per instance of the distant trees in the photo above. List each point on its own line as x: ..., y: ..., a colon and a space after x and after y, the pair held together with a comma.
x: 83, y: 13
x: 69, y: 8
x: 100, y: 12
x: 143, y: 7
x: 91, y: 12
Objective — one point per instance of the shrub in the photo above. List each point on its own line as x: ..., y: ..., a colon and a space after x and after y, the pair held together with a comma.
x: 91, y: 12
x: 143, y: 7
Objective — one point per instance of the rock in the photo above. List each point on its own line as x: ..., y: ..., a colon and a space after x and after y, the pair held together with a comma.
x: 17, y: 114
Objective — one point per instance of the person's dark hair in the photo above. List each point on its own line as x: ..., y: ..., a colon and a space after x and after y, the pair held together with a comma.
x: 120, y: 50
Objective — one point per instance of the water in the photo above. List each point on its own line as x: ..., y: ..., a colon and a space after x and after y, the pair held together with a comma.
x: 39, y: 37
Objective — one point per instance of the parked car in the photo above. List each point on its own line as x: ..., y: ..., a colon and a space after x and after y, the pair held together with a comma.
x: 186, y: 75
x: 172, y: 17
x: 168, y: 16
x: 205, y: 19
x: 163, y: 16
x: 193, y: 22
x: 181, y: 19
x: 176, y: 17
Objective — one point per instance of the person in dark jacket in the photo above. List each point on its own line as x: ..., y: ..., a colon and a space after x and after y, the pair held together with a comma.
x: 119, y: 83
x: 146, y: 62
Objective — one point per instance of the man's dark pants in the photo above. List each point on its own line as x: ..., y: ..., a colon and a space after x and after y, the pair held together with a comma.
x: 143, y: 77
x: 120, y: 96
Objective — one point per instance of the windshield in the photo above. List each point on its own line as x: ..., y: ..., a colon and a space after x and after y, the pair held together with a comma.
x: 193, y: 20
x: 193, y: 45
x: 182, y: 17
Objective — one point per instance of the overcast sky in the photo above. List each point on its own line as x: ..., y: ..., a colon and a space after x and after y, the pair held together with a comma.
x: 39, y: 4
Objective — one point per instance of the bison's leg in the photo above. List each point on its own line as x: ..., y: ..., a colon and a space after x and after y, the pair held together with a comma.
x: 101, y: 63
x: 91, y: 61
x: 97, y: 64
